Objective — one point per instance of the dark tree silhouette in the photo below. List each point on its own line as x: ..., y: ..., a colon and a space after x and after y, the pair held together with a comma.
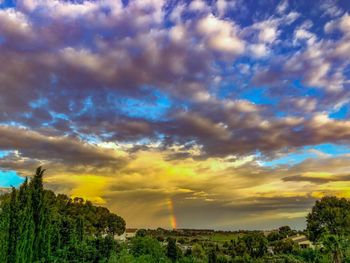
x: 172, y: 252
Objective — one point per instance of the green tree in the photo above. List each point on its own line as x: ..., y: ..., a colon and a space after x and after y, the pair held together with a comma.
x: 335, y: 246
x: 146, y: 246
x: 4, y: 225
x: 274, y: 236
x: 256, y: 244
x: 198, y: 251
x: 222, y: 259
x: 141, y: 233
x: 285, y: 231
x: 330, y: 215
x: 239, y: 248
x: 312, y: 255
x: 41, y: 217
x: 329, y: 224
x: 26, y: 225
x: 13, y: 228
x: 212, y: 257
x: 285, y: 246
x: 172, y: 252
x: 115, y: 224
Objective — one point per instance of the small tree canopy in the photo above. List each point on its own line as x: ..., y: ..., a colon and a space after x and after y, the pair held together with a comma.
x: 330, y: 215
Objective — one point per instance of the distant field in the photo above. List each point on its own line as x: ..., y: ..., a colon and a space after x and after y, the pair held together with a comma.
x: 220, y: 237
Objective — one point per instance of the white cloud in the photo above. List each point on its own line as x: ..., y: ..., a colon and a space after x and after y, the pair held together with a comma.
x: 15, y: 24
x: 282, y: 7
x: 178, y: 33
x: 221, y: 35
x: 343, y: 49
x: 201, y: 96
x: 176, y: 13
x: 221, y: 6
x: 342, y: 24
x: 197, y: 5
x: 268, y: 33
x: 330, y: 8
x: 305, y: 104
x: 301, y: 34
x: 267, y: 30
x: 259, y: 50
x: 290, y: 18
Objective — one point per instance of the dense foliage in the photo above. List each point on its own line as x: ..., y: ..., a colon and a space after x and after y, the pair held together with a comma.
x: 329, y: 224
x: 38, y: 226
x: 330, y: 215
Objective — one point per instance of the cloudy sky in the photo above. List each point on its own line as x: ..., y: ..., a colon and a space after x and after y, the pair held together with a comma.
x: 206, y: 114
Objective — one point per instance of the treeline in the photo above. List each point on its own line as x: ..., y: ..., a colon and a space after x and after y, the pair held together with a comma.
x: 38, y: 226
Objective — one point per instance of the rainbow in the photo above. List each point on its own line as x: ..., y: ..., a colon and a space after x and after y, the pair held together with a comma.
x: 173, y: 222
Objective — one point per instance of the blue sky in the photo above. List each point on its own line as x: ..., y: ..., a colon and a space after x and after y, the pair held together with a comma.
x: 307, y: 152
x: 221, y: 106
x: 9, y: 179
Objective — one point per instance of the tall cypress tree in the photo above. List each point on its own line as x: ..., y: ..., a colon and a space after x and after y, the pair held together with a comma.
x: 4, y: 227
x: 12, y: 228
x: 26, y: 225
x: 41, y: 213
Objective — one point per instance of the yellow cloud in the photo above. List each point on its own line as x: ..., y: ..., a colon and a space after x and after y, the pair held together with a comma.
x: 141, y: 188
x: 318, y: 174
x: 89, y: 187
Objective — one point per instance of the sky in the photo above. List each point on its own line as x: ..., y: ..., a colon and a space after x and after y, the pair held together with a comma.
x: 179, y: 114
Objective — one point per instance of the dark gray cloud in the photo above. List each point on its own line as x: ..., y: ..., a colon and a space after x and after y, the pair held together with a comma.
x: 317, y: 180
x: 68, y: 150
